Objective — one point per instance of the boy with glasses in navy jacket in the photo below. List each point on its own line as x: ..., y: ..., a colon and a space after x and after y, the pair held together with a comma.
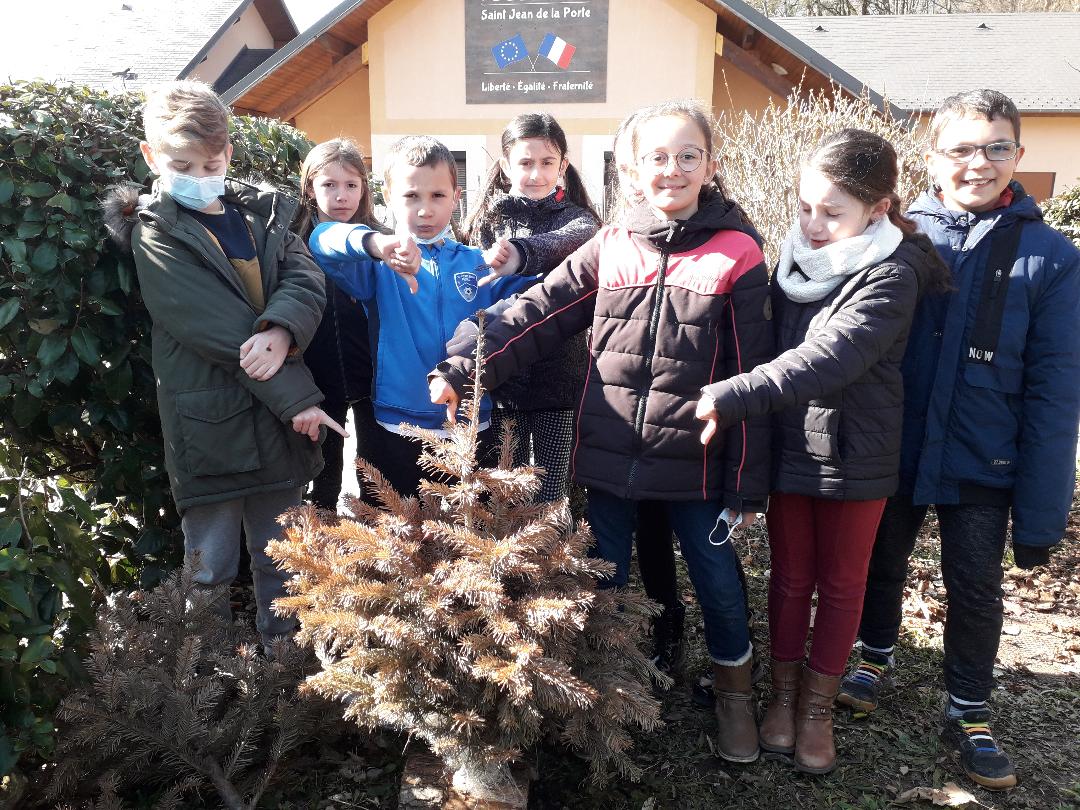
x: 991, y: 406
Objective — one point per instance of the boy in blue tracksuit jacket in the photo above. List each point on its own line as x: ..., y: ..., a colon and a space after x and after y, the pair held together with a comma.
x: 417, y: 286
x: 992, y: 401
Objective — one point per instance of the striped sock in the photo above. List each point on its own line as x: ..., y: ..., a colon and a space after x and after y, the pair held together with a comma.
x: 957, y: 706
x: 874, y: 662
x: 878, y: 655
x: 868, y: 673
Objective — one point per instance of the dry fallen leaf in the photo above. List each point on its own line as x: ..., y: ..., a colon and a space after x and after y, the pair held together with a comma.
x: 950, y: 795
x: 1013, y: 608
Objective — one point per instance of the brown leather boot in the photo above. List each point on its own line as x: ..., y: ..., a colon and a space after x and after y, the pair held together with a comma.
x: 737, y: 740
x: 778, y: 728
x: 814, y: 748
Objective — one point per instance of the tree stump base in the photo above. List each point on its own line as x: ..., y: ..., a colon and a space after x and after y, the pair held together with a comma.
x: 425, y: 785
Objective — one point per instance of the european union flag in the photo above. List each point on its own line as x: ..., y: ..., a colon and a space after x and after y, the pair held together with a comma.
x: 509, y: 51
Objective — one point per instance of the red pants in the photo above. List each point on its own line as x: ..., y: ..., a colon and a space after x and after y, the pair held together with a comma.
x: 822, y: 544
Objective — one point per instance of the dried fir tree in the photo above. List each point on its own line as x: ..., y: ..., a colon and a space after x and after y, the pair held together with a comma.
x: 470, y: 617
x: 181, y: 699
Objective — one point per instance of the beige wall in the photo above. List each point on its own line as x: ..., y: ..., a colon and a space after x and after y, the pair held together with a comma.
x: 248, y: 30
x: 639, y: 72
x: 417, y: 64
x: 344, y: 111
x: 735, y: 91
x: 1052, y: 144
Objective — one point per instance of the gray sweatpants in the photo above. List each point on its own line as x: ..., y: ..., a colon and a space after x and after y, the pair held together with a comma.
x: 214, y: 531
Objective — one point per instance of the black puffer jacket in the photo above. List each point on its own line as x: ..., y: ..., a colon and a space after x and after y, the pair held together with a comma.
x: 544, y: 232
x: 339, y: 355
x: 673, y: 306
x: 836, y: 389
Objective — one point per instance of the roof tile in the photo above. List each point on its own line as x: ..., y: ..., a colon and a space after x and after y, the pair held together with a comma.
x: 918, y: 60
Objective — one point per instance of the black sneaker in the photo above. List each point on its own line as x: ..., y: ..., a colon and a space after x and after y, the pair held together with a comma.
x: 861, y: 690
x: 981, y: 758
x: 669, y: 652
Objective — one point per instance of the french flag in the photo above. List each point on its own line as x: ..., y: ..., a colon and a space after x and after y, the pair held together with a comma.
x: 558, y: 50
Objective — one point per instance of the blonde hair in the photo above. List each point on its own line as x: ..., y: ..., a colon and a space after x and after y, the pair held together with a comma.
x: 344, y: 152
x: 186, y: 113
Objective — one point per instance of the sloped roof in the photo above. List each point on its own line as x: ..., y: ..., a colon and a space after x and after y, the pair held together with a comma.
x: 919, y: 60
x: 94, y: 41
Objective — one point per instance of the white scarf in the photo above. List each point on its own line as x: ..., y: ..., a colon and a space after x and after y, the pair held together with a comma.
x: 822, y: 270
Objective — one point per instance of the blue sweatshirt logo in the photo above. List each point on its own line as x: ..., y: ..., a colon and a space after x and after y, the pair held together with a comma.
x: 466, y: 285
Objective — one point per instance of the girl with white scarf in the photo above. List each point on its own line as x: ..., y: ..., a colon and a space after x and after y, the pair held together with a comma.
x: 844, y: 293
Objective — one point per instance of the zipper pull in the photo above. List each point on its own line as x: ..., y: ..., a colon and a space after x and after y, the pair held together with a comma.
x: 997, y: 284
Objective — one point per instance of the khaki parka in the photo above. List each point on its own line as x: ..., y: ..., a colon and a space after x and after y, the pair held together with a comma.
x: 226, y: 435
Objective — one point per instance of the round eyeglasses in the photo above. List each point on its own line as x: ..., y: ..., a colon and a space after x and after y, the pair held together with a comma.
x: 687, y: 159
x: 965, y: 152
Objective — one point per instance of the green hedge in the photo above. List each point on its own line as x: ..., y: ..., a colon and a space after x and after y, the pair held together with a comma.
x: 1063, y: 212
x: 84, y: 497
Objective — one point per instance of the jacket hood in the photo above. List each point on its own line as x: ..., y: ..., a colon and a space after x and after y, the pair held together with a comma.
x: 124, y: 206
x: 715, y: 213
x: 918, y: 252
x: 1023, y: 207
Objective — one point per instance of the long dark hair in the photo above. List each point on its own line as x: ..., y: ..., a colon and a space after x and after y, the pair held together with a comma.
x: 527, y: 125
x: 346, y: 153
x: 864, y: 165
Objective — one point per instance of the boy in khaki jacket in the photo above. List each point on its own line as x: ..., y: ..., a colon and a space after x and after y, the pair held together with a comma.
x: 234, y: 298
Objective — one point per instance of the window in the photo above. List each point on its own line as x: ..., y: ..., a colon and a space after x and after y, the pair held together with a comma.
x: 462, y: 209
x: 611, y: 184
x: 1039, y: 185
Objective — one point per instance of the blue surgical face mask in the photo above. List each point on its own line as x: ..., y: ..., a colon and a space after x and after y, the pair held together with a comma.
x: 193, y: 192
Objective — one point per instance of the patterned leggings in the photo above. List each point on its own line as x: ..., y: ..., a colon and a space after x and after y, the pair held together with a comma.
x: 544, y: 436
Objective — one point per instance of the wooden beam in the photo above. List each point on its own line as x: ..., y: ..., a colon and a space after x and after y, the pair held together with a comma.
x: 335, y: 46
x: 752, y: 66
x: 304, y: 98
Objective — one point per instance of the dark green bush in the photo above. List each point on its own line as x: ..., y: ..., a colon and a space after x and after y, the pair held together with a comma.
x: 84, y: 497
x: 1063, y: 212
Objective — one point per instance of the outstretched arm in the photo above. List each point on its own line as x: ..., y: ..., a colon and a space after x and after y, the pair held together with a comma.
x: 856, y: 337
x: 547, y: 314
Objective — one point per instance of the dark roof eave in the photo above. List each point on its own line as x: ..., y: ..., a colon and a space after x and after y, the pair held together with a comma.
x: 241, y: 7
x: 805, y: 53
x: 315, y: 30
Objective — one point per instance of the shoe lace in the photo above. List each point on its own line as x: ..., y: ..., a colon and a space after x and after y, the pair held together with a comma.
x: 978, y: 734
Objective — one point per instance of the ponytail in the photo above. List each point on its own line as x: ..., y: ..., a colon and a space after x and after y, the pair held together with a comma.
x: 907, y: 226
x: 577, y: 193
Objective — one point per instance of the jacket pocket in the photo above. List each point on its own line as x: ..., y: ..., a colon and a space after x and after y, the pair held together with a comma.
x: 1007, y: 380
x: 218, y: 429
x: 821, y: 429
x: 988, y: 415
